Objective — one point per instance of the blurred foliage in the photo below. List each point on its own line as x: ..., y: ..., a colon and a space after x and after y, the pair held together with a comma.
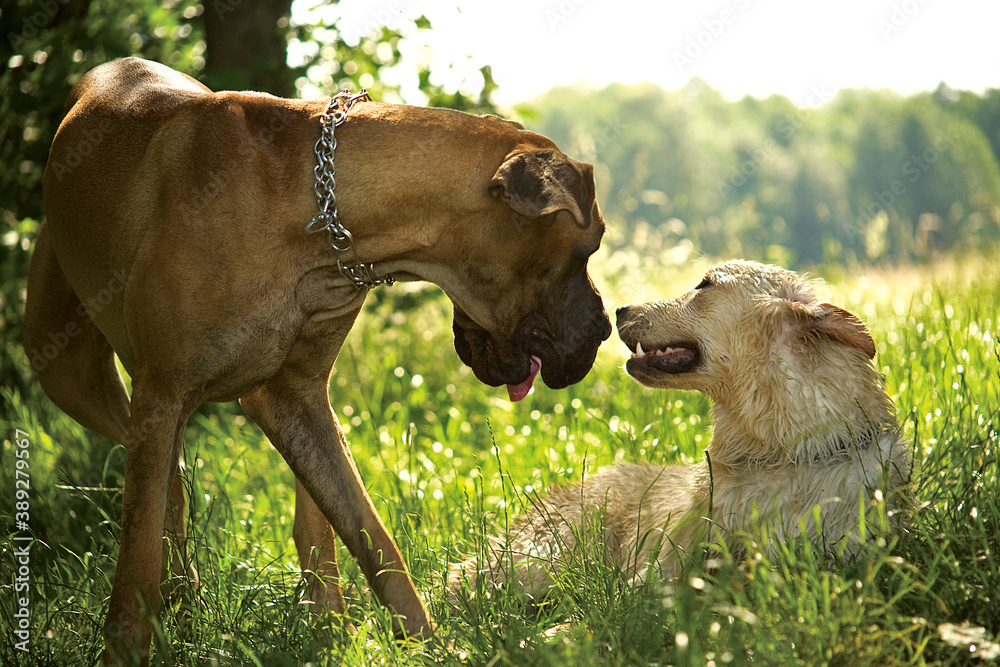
x: 47, y: 47
x: 866, y: 177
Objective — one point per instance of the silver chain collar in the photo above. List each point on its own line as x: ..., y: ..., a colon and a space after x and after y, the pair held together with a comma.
x: 359, y: 273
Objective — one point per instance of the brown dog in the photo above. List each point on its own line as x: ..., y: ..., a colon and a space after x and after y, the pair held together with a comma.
x: 175, y: 238
x: 801, y: 421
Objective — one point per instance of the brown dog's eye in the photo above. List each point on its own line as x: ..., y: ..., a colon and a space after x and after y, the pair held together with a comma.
x: 705, y: 282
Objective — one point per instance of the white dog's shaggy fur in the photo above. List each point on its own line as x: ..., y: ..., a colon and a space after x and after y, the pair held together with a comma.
x: 801, y: 421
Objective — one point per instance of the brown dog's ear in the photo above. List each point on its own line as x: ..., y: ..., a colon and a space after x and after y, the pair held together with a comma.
x: 537, y: 183
x: 845, y: 327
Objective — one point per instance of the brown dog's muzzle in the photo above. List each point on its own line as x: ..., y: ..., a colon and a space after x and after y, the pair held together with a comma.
x: 563, y: 338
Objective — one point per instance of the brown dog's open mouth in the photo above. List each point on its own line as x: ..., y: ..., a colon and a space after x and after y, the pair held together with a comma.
x: 676, y: 358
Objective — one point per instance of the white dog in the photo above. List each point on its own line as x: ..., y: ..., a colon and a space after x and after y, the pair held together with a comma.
x: 801, y: 421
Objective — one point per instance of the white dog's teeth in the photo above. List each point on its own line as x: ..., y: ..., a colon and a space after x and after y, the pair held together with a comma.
x: 638, y: 350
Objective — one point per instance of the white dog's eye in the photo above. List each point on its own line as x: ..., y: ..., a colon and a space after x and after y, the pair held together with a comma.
x: 705, y: 282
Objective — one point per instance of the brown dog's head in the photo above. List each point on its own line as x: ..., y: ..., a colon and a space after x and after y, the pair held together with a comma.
x: 757, y: 340
x: 524, y: 302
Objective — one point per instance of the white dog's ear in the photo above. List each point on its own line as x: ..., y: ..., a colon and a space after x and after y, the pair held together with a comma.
x: 797, y: 303
x: 841, y: 325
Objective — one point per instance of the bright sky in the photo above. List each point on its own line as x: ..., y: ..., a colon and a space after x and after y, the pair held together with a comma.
x: 803, y: 49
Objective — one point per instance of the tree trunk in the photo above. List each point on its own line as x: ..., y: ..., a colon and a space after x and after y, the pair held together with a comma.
x: 246, y: 46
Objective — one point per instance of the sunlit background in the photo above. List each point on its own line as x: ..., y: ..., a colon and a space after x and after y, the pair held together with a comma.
x: 739, y: 47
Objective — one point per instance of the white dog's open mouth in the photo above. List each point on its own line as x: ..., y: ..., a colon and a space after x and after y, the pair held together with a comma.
x: 677, y: 358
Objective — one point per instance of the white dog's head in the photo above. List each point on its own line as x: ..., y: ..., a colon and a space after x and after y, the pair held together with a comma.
x: 777, y: 361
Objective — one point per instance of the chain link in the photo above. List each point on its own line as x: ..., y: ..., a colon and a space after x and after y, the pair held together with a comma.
x: 327, y: 219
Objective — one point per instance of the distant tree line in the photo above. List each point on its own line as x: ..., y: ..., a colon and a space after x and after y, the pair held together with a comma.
x: 868, y: 176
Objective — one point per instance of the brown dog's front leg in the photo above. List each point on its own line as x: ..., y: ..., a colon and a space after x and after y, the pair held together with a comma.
x: 295, y: 414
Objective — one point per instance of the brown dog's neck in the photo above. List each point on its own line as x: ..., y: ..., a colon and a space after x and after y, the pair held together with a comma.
x: 405, y: 176
x: 392, y: 163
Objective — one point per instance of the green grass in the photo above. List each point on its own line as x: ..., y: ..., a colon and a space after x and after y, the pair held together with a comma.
x: 448, y: 461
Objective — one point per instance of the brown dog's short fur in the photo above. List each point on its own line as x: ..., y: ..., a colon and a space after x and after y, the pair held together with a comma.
x: 176, y: 240
x: 800, y: 420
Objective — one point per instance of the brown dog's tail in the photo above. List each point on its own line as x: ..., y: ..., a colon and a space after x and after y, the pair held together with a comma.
x: 71, y: 358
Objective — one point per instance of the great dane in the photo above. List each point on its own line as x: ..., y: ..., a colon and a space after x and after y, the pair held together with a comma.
x: 176, y: 238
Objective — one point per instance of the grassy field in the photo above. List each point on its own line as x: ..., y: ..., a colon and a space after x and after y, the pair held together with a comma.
x: 448, y: 461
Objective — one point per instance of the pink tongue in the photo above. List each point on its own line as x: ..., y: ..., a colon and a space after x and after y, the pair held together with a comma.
x: 519, y: 391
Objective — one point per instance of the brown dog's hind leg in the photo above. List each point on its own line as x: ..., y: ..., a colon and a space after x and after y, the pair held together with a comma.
x: 153, y: 443
x: 76, y: 367
x: 316, y: 544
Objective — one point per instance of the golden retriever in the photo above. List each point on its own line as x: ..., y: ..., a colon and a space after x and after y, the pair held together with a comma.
x: 801, y: 421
